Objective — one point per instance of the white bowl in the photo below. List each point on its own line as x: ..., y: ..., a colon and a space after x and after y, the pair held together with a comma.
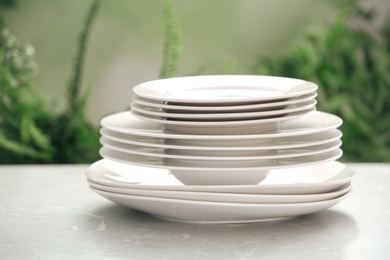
x: 227, y: 153
x: 255, y: 142
x: 220, y: 176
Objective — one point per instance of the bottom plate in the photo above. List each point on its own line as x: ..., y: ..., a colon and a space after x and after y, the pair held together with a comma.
x: 227, y: 197
x: 216, y: 212
x: 313, y: 179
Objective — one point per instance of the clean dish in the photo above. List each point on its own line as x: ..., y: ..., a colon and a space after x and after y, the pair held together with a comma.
x: 216, y: 172
x: 215, y: 109
x: 226, y: 145
x: 239, y: 127
x: 223, y: 89
x: 126, y: 123
x: 164, y: 163
x: 216, y: 212
x: 310, y: 179
x: 227, y: 197
x: 218, y: 155
x: 153, y: 112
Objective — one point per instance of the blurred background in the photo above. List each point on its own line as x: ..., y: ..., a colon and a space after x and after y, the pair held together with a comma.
x: 340, y: 45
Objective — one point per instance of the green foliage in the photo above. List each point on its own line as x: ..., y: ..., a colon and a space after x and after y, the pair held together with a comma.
x: 351, y: 65
x: 22, y: 114
x: 29, y: 131
x: 171, y: 50
x: 78, y: 140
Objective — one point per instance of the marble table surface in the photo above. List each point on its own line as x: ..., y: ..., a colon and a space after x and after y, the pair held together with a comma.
x: 48, y: 212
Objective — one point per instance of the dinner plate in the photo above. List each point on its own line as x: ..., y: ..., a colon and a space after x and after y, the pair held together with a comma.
x: 153, y: 112
x: 226, y: 145
x: 238, y: 127
x: 227, y: 197
x: 223, y: 89
x: 218, y: 155
x: 181, y: 165
x: 218, y: 109
x: 126, y: 123
x: 310, y: 179
x: 216, y: 212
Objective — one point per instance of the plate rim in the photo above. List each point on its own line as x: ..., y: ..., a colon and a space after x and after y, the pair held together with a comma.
x: 140, y: 88
x: 160, y: 133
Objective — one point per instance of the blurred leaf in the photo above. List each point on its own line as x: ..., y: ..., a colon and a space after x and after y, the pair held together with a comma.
x: 351, y: 65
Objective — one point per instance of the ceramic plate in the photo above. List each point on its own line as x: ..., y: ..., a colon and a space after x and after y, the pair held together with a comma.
x: 226, y: 166
x: 226, y: 197
x: 216, y: 212
x: 147, y: 111
x: 226, y: 145
x: 223, y: 89
x: 126, y: 123
x: 312, y: 179
x: 238, y: 127
x: 223, y: 155
x: 218, y: 109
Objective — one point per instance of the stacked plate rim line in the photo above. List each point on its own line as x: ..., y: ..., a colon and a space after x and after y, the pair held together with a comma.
x: 222, y: 149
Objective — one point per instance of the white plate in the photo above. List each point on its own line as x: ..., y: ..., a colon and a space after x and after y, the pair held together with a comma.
x: 126, y: 123
x: 222, y: 116
x: 227, y: 197
x: 223, y: 89
x: 312, y: 179
x: 172, y: 164
x: 218, y: 155
x: 216, y: 212
x: 239, y: 127
x: 214, y: 109
x: 226, y: 145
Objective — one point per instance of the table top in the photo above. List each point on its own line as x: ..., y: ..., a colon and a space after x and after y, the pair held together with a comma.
x: 48, y: 212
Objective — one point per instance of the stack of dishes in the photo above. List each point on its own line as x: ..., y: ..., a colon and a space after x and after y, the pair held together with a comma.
x: 222, y: 149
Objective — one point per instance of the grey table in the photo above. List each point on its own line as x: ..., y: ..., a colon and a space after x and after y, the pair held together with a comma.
x: 48, y: 212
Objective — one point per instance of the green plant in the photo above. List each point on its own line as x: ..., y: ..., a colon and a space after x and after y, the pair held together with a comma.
x: 171, y: 51
x: 22, y: 113
x: 77, y: 140
x: 351, y: 65
x: 29, y: 131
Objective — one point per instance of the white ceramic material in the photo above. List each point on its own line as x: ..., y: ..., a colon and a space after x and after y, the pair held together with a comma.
x: 227, y: 197
x: 201, y: 172
x: 216, y: 212
x: 310, y: 179
x: 163, y: 163
x: 153, y: 112
x: 239, y: 127
x: 315, y: 122
x: 226, y: 109
x: 218, y: 155
x: 224, y: 89
x: 217, y: 172
x: 255, y: 144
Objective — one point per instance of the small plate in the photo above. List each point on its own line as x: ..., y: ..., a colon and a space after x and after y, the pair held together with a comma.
x: 153, y: 112
x: 223, y: 89
x: 218, y: 109
x: 227, y: 197
x: 310, y: 179
x: 216, y: 212
x: 238, y: 127
x: 126, y: 123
